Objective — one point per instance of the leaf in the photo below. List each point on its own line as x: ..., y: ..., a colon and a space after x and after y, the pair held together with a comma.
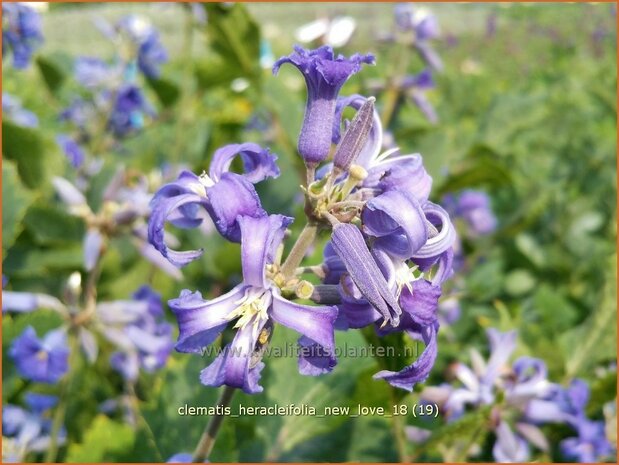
x: 16, y: 202
x: 234, y: 39
x: 519, y: 282
x: 596, y: 339
x: 52, y: 69
x: 50, y: 225
x: 25, y: 260
x: 105, y: 441
x: 24, y: 146
x: 166, y: 90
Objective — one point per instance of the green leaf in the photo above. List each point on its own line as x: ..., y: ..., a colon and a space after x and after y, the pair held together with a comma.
x: 596, y: 339
x: 52, y: 69
x: 15, y: 204
x: 24, y: 146
x: 24, y: 260
x: 519, y: 282
x: 166, y: 90
x: 50, y: 225
x: 105, y: 441
x: 234, y: 39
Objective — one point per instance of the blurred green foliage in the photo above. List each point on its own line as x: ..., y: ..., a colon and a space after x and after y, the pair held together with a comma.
x: 528, y: 115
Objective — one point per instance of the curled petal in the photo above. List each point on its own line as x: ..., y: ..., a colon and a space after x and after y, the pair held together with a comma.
x: 233, y: 196
x: 446, y: 236
x: 404, y: 173
x: 349, y: 244
x: 68, y: 193
x: 89, y: 345
x: 314, y: 322
x: 258, y: 163
x: 314, y: 358
x: 24, y: 302
x: 162, y: 209
x: 394, y: 214
x: 201, y: 321
x: 419, y: 370
x: 502, y: 345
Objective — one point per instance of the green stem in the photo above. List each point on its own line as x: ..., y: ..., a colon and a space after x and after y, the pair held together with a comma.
x: 207, y: 441
x: 135, y: 407
x: 398, y: 424
x: 61, y: 409
x: 299, y: 249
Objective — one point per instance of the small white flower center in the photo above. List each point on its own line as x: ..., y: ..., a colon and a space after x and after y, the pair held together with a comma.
x: 252, y: 307
x: 405, y: 276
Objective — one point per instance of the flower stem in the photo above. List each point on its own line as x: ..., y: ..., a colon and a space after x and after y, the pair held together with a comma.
x: 304, y: 242
x: 61, y: 409
x: 207, y: 441
x: 398, y: 425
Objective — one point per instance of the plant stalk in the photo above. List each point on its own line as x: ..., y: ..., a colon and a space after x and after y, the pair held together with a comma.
x: 209, y: 436
x: 304, y: 242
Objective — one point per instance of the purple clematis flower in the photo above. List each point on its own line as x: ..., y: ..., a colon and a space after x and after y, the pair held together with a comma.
x: 475, y: 209
x: 130, y: 106
x: 138, y: 328
x: 223, y: 195
x: 256, y: 304
x: 324, y: 74
x: 21, y: 32
x: 41, y: 360
x: 28, y: 430
x: 92, y: 72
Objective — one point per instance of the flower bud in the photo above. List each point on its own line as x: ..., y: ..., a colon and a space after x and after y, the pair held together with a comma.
x: 355, y: 137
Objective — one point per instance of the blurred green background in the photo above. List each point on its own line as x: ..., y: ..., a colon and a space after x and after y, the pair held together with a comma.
x: 527, y: 114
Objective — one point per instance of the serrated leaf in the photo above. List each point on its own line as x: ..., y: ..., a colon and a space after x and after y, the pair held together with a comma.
x: 16, y: 201
x: 105, y: 441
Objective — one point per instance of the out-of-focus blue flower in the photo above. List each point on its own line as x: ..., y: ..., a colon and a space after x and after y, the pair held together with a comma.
x: 324, y: 75
x: 223, y: 195
x: 416, y: 86
x: 41, y: 360
x: 424, y: 25
x: 256, y: 304
x: 93, y: 73
x: 21, y: 32
x: 137, y: 327
x: 25, y: 431
x: 151, y: 53
x: 13, y: 110
x: 475, y: 209
x: 129, y: 108
x: 79, y: 113
x: 72, y: 150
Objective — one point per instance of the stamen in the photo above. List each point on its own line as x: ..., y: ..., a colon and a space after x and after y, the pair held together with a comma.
x: 252, y: 307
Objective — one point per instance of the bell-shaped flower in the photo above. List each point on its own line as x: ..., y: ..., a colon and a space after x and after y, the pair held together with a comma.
x: 256, y: 304
x: 324, y: 74
x: 223, y: 195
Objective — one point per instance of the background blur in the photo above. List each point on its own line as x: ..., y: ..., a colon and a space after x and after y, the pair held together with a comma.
x: 526, y: 107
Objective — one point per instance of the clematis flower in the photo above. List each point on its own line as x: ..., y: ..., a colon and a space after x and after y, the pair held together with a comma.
x: 223, y: 195
x: 324, y: 74
x: 256, y: 304
x: 28, y: 430
x: 475, y: 209
x: 21, y: 32
x: 416, y: 87
x: 138, y: 328
x: 41, y: 360
x: 93, y: 73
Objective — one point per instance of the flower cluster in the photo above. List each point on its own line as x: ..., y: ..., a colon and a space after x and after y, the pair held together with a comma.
x: 115, y: 105
x: 522, y: 398
x: 21, y: 33
x: 388, y: 254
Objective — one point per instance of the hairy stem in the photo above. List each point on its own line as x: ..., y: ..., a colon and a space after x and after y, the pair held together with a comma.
x: 304, y: 242
x: 207, y: 441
